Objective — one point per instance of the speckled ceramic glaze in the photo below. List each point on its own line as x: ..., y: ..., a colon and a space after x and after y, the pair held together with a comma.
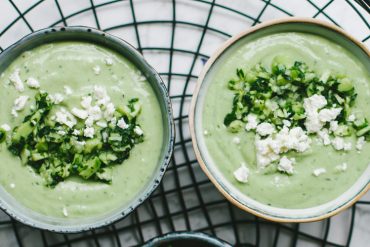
x: 26, y: 216
x: 312, y: 213
x: 193, y: 239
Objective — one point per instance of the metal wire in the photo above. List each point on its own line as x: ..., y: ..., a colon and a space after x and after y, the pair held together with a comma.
x: 163, y: 218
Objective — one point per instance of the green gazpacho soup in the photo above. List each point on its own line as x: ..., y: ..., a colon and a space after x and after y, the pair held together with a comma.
x: 285, y: 119
x: 80, y: 128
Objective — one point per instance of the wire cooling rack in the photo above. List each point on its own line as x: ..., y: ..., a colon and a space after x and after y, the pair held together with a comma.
x: 177, y: 37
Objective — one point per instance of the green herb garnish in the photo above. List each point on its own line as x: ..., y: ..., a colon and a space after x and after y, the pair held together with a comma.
x: 277, y: 94
x: 56, y: 152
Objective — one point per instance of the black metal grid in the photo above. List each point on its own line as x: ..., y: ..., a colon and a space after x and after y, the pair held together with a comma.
x: 169, y: 208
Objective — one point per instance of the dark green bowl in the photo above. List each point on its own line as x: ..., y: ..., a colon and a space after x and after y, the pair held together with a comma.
x: 31, y: 218
x: 186, y: 239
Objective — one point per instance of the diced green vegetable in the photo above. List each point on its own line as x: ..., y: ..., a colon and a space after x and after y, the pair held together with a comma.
x: 56, y: 152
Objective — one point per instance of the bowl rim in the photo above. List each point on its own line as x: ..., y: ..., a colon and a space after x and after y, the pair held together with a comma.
x: 180, y: 235
x: 208, y: 66
x: 167, y: 112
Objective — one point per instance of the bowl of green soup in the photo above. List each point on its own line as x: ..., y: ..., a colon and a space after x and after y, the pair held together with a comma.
x: 280, y: 120
x: 86, y: 130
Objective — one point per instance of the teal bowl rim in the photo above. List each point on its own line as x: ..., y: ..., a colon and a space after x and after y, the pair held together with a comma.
x: 122, y: 47
x: 176, y: 236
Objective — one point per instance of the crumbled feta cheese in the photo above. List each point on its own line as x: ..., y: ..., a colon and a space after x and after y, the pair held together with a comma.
x: 265, y: 129
x: 317, y: 172
x: 68, y: 90
x: 101, y: 95
x: 339, y: 144
x: 65, y: 117
x: 86, y: 102
x: 236, y: 140
x: 89, y: 132
x: 56, y: 98
x: 14, y: 113
x: 122, y: 124
x: 80, y: 143
x: 5, y: 127
x: 113, y: 121
x: 33, y: 83
x: 342, y: 167
x: 206, y: 132
x: 96, y: 69
x: 252, y: 122
x: 109, y: 111
x: 16, y: 80
x: 89, y: 121
x: 286, y: 165
x: 12, y: 185
x: 95, y: 112
x: 272, y: 105
x: 333, y: 126
x: 105, y: 136
x: 102, y: 124
x: 76, y: 132
x: 138, y: 131
x: 351, y: 118
x: 311, y: 106
x: 108, y: 61
x: 360, y: 143
x: 241, y: 174
x: 327, y: 115
x: 324, y: 136
x: 82, y: 114
x: 65, y: 212
x: 269, y: 149
x: 61, y: 132
x: 20, y: 103
x: 287, y: 123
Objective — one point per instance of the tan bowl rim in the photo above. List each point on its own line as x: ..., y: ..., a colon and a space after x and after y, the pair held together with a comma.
x: 205, y: 70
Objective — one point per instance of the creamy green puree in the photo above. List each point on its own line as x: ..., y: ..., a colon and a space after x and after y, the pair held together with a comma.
x: 71, y: 64
x: 302, y: 189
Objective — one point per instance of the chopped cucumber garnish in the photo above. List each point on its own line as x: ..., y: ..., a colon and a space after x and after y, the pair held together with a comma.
x: 56, y: 152
x: 277, y: 93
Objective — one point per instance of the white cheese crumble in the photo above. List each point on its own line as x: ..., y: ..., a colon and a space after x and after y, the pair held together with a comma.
x: 122, y: 124
x: 351, y: 118
x: 89, y: 132
x: 33, y: 83
x: 265, y: 129
x: 236, y: 140
x: 317, y: 172
x: 65, y: 117
x: 287, y: 123
x: 241, y: 174
x: 56, y: 98
x: 268, y: 149
x: 101, y: 95
x: 5, y: 127
x: 324, y: 136
x: 206, y: 132
x: 327, y: 115
x: 102, y: 124
x: 339, y: 144
x: 109, y: 111
x: 138, y: 131
x: 68, y: 90
x: 76, y: 132
x: 342, y: 167
x: 360, y: 143
x: 61, y: 132
x: 333, y: 126
x: 12, y: 185
x: 16, y: 80
x: 82, y: 114
x: 86, y: 102
x: 108, y: 61
x: 252, y: 122
x: 286, y: 165
x: 311, y: 106
x: 19, y: 104
x: 65, y: 212
x: 96, y: 69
